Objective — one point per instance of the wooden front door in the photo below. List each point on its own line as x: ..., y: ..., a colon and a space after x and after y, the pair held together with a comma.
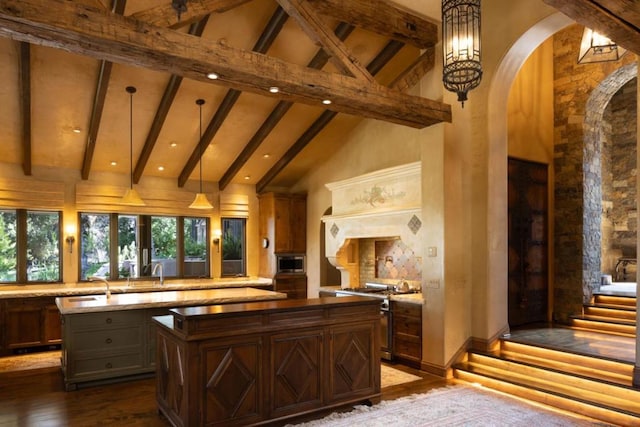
x: 528, y: 242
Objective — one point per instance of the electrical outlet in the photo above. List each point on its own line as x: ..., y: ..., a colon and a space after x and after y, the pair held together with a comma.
x: 432, y: 251
x: 433, y: 283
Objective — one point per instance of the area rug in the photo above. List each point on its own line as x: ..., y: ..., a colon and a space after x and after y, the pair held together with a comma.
x: 390, y: 376
x: 458, y: 405
x: 30, y: 363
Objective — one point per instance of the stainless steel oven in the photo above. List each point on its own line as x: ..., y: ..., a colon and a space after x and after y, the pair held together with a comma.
x: 290, y: 264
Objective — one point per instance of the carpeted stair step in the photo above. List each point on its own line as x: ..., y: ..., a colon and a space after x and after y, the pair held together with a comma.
x: 612, y: 371
x: 610, y: 326
x: 614, y: 301
x: 565, y: 402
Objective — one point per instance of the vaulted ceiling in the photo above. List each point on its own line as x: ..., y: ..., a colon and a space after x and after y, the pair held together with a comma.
x: 65, y: 66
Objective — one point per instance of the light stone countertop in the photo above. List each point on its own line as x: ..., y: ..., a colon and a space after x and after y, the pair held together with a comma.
x: 117, y: 287
x: 133, y: 301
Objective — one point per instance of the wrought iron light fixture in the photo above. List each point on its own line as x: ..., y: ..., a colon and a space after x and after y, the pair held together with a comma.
x: 131, y: 197
x: 461, y: 46
x: 180, y: 6
x: 201, y: 201
x: 595, y: 47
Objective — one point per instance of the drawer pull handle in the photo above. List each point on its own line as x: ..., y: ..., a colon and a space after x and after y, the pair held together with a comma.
x: 108, y: 340
x: 109, y: 320
x: 108, y: 365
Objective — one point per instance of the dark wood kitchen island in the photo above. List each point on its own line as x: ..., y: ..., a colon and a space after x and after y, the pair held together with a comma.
x: 253, y: 363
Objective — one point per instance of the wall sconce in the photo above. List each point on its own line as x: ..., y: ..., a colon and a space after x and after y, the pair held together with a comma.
x: 217, y: 234
x: 70, y: 231
x: 461, y: 46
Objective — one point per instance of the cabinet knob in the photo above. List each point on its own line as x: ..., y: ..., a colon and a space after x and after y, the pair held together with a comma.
x: 108, y: 365
x: 108, y: 341
x: 108, y: 320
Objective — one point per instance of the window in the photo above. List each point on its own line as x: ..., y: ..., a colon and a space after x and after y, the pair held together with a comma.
x: 140, y: 242
x: 233, y: 247
x: 30, y: 246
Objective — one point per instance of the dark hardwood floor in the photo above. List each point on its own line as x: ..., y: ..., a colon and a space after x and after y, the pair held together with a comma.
x: 36, y: 397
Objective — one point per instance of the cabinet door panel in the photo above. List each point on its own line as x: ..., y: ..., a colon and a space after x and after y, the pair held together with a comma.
x: 296, y: 372
x: 53, y: 325
x: 354, y: 352
x: 24, y: 325
x: 232, y: 382
x: 282, y: 242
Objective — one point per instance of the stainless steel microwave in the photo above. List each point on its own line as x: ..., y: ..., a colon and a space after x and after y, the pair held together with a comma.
x: 290, y: 264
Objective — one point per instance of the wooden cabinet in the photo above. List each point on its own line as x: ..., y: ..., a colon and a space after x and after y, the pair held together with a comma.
x: 108, y: 345
x: 407, y: 332
x: 283, y: 228
x: 29, y: 322
x: 249, y: 364
x: 294, y: 285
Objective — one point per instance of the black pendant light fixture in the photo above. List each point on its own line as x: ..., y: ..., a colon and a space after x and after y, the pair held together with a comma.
x: 201, y: 201
x: 131, y: 197
x: 461, y: 46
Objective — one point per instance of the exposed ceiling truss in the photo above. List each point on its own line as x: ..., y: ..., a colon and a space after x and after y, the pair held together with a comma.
x: 152, y: 39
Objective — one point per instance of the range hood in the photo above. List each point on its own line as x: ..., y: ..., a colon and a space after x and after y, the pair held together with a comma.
x: 381, y: 204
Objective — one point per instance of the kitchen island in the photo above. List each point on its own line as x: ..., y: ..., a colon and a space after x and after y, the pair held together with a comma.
x: 254, y: 363
x: 113, y: 339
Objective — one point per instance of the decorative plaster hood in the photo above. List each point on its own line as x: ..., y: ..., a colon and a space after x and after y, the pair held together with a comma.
x: 385, y: 204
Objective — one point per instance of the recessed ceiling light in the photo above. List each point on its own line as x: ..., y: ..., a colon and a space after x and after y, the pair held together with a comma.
x: 114, y: 163
x: 173, y: 144
x: 274, y: 89
x: 160, y: 168
x: 77, y: 130
x: 247, y: 177
x: 266, y: 155
x: 326, y: 101
x: 212, y: 76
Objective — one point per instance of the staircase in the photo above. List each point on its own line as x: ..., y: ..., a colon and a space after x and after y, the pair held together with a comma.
x: 594, y: 386
x: 609, y: 314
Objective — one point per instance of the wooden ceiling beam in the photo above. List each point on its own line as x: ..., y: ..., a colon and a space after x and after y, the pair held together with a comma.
x: 87, y: 31
x: 166, y: 16
x: 617, y: 19
x: 318, y: 32
x: 385, y: 55
x: 412, y: 75
x: 25, y: 105
x: 266, y: 39
x: 319, y: 60
x: 381, y: 17
x: 166, y: 101
x: 100, y: 94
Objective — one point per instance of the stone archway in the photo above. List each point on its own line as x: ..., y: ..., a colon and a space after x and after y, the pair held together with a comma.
x: 592, y: 194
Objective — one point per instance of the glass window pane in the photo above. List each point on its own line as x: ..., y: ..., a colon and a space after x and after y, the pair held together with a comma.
x: 128, y: 262
x: 8, y: 239
x: 195, y: 247
x: 43, y: 246
x: 233, y: 247
x: 94, y: 245
x: 164, y: 244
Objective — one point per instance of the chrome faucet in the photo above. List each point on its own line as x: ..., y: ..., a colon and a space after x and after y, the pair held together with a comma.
x: 103, y: 280
x: 155, y: 268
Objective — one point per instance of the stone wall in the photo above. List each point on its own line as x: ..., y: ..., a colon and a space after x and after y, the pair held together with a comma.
x: 619, y: 222
x: 578, y: 200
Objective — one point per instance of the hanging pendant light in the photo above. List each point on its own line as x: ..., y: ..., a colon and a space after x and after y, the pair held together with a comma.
x: 461, y: 46
x: 594, y: 47
x: 131, y: 196
x: 201, y: 201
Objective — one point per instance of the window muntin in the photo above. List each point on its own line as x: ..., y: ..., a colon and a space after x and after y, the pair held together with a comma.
x: 234, y: 247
